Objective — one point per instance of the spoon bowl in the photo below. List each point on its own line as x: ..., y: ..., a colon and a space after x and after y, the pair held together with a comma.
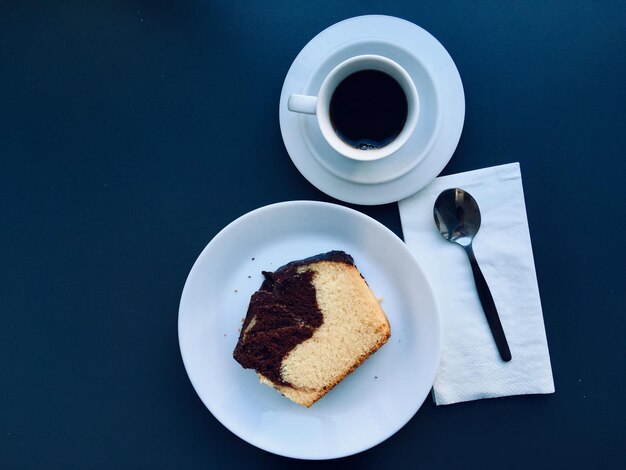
x: 457, y: 216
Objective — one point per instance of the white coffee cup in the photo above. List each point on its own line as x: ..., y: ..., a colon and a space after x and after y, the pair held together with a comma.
x: 320, y: 105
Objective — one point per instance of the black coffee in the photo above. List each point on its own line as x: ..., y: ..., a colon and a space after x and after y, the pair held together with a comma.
x: 368, y: 109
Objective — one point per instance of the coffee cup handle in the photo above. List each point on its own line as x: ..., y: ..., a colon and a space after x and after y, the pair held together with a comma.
x: 302, y: 104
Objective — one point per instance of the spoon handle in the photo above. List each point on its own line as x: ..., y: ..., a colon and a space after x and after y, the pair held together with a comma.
x: 489, y: 307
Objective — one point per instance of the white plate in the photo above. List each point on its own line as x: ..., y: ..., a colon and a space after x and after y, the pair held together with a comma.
x: 442, y: 111
x: 373, y: 402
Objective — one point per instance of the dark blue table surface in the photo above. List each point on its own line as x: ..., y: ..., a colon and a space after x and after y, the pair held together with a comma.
x: 132, y: 131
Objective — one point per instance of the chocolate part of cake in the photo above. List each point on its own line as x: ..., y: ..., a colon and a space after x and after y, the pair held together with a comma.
x: 282, y: 314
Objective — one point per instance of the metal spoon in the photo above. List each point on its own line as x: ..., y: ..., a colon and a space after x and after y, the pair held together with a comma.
x: 458, y: 219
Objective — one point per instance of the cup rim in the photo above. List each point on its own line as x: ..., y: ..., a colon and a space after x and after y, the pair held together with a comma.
x: 370, y: 62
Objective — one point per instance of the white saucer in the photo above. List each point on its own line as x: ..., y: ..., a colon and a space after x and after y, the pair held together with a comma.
x: 373, y: 402
x: 442, y: 111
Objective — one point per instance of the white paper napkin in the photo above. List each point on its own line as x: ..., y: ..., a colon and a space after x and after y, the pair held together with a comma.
x: 471, y: 367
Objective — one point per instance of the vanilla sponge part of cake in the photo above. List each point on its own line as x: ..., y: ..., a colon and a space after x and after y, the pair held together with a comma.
x: 312, y: 322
